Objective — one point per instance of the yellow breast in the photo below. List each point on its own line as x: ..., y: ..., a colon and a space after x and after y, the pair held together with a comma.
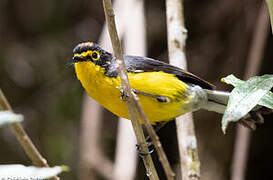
x: 105, y: 91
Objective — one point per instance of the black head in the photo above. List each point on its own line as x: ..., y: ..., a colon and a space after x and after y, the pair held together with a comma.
x: 89, y: 51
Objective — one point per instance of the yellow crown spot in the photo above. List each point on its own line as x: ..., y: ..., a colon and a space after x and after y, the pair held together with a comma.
x: 86, y: 44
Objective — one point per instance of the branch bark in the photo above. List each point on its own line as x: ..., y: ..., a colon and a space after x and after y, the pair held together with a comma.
x: 131, y: 101
x: 177, y: 35
x: 22, y: 137
x: 134, y: 42
x: 91, y: 155
x: 91, y: 125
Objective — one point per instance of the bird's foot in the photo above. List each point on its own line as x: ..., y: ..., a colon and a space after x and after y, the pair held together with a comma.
x: 124, y: 96
x: 144, y: 153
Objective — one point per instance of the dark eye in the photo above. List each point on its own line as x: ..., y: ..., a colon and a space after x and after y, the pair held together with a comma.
x: 95, y: 55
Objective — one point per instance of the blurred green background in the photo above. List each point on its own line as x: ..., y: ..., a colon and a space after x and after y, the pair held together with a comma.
x: 36, y: 42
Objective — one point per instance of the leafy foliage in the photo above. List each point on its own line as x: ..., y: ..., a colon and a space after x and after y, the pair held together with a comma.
x: 246, y: 95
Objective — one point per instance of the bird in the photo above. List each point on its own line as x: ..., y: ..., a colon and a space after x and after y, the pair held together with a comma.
x: 164, y: 91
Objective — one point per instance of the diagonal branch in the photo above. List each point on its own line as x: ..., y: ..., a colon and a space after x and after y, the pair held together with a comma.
x: 133, y: 105
x: 22, y: 137
x: 131, y: 100
x: 134, y: 42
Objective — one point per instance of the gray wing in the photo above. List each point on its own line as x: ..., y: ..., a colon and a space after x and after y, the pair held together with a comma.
x: 143, y: 64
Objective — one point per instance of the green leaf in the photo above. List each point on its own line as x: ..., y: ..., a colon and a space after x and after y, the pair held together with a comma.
x: 7, y: 117
x: 233, y: 80
x: 245, y: 96
x: 266, y: 100
x: 17, y: 171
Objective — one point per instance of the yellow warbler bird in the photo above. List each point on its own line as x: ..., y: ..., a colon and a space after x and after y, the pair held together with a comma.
x: 164, y: 91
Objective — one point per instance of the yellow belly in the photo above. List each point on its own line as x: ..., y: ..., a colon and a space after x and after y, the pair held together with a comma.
x: 104, y: 90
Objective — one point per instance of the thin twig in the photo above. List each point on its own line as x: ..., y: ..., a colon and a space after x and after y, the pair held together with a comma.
x: 91, y: 151
x: 177, y: 34
x: 252, y: 68
x: 133, y: 101
x: 22, y: 137
x: 109, y: 15
x: 134, y: 41
x: 91, y: 122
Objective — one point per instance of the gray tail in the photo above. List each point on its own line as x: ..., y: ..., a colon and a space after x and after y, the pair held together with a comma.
x: 217, y: 101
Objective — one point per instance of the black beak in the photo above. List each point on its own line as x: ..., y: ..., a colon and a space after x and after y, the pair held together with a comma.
x: 78, y: 58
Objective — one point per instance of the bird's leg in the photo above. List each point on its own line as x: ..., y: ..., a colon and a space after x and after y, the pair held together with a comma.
x: 123, y: 95
x: 142, y: 153
x: 149, y: 142
x: 157, y: 127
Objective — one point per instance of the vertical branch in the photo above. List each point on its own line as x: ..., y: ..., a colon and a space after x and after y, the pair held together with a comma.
x: 177, y: 35
x: 270, y: 8
x: 255, y: 55
x: 22, y: 137
x: 131, y: 102
x: 125, y: 156
x: 91, y: 158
